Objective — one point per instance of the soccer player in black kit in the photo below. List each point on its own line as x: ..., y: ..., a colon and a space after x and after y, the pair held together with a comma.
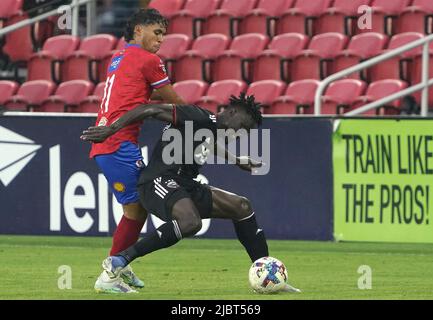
x: 169, y: 190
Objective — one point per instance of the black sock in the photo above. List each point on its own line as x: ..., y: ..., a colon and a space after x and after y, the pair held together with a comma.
x: 251, y: 237
x: 165, y: 236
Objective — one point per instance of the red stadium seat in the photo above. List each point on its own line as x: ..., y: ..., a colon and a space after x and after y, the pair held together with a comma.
x: 314, y: 63
x: 384, y: 15
x: 378, y: 90
x: 219, y: 93
x: 7, y: 90
x: 361, y: 47
x: 30, y: 95
x: 341, y: 94
x: 46, y: 29
x: 91, y: 104
x: 68, y: 96
x: 9, y: 8
x: 270, y: 64
x: 79, y: 65
x: 298, y: 98
x: 173, y: 46
x: 236, y: 62
x: 18, y: 44
x: 190, y: 90
x: 119, y: 46
x: 396, y: 68
x: 266, y: 91
x: 167, y: 7
x: 191, y: 64
x: 224, y: 20
x: 301, y: 17
x: 417, y: 18
x: 341, y: 17
x: 44, y: 65
x: 262, y: 19
x: 106, y: 60
x: 189, y: 20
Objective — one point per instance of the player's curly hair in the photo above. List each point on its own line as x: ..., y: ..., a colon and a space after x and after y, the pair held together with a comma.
x: 143, y: 17
x: 249, y: 104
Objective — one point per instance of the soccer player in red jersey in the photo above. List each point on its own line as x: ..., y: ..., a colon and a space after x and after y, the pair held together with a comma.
x: 133, y: 75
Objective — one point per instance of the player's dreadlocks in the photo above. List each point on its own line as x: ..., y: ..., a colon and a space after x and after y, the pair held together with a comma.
x: 143, y: 17
x: 250, y: 106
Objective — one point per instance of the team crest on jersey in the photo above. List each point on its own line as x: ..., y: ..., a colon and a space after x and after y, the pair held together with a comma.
x: 172, y: 184
x: 119, y: 187
x: 115, y: 63
x: 102, y: 122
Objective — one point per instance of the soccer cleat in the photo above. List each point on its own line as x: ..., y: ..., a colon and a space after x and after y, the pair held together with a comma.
x: 113, y: 266
x: 107, y: 284
x: 289, y: 288
x: 130, y: 278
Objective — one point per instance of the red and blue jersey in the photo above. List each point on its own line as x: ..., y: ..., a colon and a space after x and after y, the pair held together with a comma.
x: 132, y: 75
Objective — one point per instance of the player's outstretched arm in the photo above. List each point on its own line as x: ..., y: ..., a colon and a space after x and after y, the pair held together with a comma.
x: 243, y: 162
x: 163, y: 112
x: 167, y: 95
x: 248, y: 164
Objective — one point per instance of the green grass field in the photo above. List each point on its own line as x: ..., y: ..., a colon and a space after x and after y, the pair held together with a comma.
x: 216, y: 269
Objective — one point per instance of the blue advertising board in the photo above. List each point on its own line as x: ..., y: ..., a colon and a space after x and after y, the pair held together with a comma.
x: 49, y: 186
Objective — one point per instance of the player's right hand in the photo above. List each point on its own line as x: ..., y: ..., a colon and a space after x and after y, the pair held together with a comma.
x: 248, y: 164
x: 97, y: 134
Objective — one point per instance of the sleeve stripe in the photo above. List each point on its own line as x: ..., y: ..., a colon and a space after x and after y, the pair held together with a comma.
x: 166, y: 79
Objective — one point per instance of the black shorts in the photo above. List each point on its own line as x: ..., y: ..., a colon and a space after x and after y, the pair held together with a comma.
x: 159, y: 196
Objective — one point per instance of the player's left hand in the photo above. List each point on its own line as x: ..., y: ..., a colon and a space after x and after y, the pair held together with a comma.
x: 97, y: 134
x: 247, y: 164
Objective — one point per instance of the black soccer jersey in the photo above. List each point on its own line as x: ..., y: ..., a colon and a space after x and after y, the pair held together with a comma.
x: 185, y: 152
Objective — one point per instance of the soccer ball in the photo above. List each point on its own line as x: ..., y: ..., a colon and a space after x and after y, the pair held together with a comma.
x: 268, y: 275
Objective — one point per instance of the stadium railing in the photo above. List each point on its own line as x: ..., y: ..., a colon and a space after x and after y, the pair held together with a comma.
x: 423, y: 85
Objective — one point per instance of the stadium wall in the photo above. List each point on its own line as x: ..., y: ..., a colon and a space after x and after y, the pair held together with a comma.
x: 49, y: 186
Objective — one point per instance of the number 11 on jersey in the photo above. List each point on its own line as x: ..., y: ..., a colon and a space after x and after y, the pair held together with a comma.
x: 107, y: 93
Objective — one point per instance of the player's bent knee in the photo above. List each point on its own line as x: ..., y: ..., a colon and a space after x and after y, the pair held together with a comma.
x: 196, y: 226
x: 134, y: 211
x: 244, y: 208
x: 187, y: 217
x: 189, y: 226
